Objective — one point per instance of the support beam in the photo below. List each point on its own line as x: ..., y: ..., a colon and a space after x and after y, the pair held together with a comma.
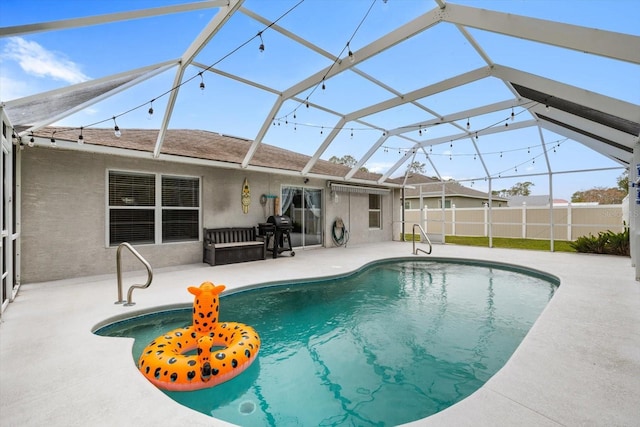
x: 192, y: 51
x: 64, y: 24
x: 623, y: 47
x: 328, y: 140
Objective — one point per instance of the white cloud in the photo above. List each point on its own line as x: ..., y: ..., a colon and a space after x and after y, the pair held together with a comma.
x: 11, y: 88
x: 378, y: 167
x: 38, y: 61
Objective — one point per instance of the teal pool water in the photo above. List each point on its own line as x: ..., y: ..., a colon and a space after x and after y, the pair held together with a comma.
x: 393, y: 343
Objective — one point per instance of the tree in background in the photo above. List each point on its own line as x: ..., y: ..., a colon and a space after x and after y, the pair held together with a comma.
x: 347, y: 160
x: 623, y: 182
x: 603, y: 195
x: 416, y: 167
x: 518, y: 189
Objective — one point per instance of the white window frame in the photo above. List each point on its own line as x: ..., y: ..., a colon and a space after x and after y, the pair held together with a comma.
x: 375, y: 210
x: 158, y: 208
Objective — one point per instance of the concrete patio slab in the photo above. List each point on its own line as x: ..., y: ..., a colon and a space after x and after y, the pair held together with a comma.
x: 579, y: 364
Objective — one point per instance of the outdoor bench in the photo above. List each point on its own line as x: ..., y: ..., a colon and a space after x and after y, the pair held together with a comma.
x: 231, y: 245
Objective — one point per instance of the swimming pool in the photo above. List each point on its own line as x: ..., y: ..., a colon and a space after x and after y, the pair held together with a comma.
x: 394, y: 342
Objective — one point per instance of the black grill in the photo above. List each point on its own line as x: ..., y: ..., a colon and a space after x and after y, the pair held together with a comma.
x: 277, y: 231
x: 281, y: 222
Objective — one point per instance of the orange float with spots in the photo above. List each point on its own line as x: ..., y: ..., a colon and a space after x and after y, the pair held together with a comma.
x: 224, y: 349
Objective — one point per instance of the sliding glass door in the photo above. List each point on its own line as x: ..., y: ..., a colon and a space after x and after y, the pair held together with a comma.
x: 304, y: 207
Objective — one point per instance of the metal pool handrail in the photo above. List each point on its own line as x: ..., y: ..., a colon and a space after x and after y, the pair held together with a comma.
x: 424, y: 234
x: 119, y: 274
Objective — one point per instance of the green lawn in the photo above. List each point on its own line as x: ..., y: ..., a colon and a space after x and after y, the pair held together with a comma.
x: 508, y: 243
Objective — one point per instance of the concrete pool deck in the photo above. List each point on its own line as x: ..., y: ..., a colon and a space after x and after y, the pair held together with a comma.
x: 579, y: 364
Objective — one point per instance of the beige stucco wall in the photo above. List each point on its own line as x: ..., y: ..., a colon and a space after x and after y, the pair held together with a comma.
x: 64, y: 208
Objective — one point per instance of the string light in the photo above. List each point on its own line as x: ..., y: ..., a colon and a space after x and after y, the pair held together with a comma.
x: 150, y: 116
x: 53, y: 140
x: 116, y: 129
x: 201, y: 80
x: 351, y: 57
x: 513, y: 116
x: 32, y: 141
x: 468, y: 125
x: 80, y: 137
x: 261, y: 47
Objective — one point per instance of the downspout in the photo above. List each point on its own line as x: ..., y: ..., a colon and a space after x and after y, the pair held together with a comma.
x: 402, y: 216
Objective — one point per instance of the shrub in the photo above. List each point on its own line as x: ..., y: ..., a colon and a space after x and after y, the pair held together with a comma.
x: 606, y: 242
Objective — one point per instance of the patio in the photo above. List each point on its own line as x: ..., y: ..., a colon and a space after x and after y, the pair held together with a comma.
x: 579, y: 364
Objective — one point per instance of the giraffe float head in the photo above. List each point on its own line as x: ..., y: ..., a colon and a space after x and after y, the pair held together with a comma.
x: 206, y: 306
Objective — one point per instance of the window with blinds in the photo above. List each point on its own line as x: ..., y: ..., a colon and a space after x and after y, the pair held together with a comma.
x: 180, y: 208
x: 138, y: 201
x: 375, y: 211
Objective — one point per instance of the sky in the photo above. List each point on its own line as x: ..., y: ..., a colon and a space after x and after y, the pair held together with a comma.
x: 37, y: 62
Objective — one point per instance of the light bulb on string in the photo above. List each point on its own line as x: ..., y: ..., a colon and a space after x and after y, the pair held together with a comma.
x: 53, y: 139
x: 351, y: 133
x: 352, y: 59
x: 321, y: 130
x: 261, y: 47
x: 32, y: 141
x: 150, y: 115
x: 323, y: 86
x: 80, y: 137
x: 116, y: 129
x: 201, y: 81
x: 468, y: 125
x: 513, y: 116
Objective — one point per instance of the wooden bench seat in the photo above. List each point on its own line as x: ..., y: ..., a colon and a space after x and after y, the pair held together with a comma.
x: 230, y: 245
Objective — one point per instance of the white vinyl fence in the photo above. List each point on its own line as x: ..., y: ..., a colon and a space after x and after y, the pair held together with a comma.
x: 530, y: 222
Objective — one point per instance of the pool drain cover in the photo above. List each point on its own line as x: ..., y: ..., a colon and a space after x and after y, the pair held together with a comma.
x: 247, y: 407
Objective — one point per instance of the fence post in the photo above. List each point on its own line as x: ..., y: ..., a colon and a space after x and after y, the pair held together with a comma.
x: 486, y: 219
x: 569, y: 221
x: 524, y: 220
x: 453, y: 219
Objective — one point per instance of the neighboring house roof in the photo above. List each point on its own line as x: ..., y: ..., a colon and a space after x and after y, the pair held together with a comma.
x: 205, y: 145
x: 434, y: 188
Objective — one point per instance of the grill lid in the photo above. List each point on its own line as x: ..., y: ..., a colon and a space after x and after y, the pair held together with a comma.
x: 280, y: 221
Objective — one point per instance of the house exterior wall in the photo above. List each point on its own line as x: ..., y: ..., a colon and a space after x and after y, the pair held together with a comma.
x: 64, y: 208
